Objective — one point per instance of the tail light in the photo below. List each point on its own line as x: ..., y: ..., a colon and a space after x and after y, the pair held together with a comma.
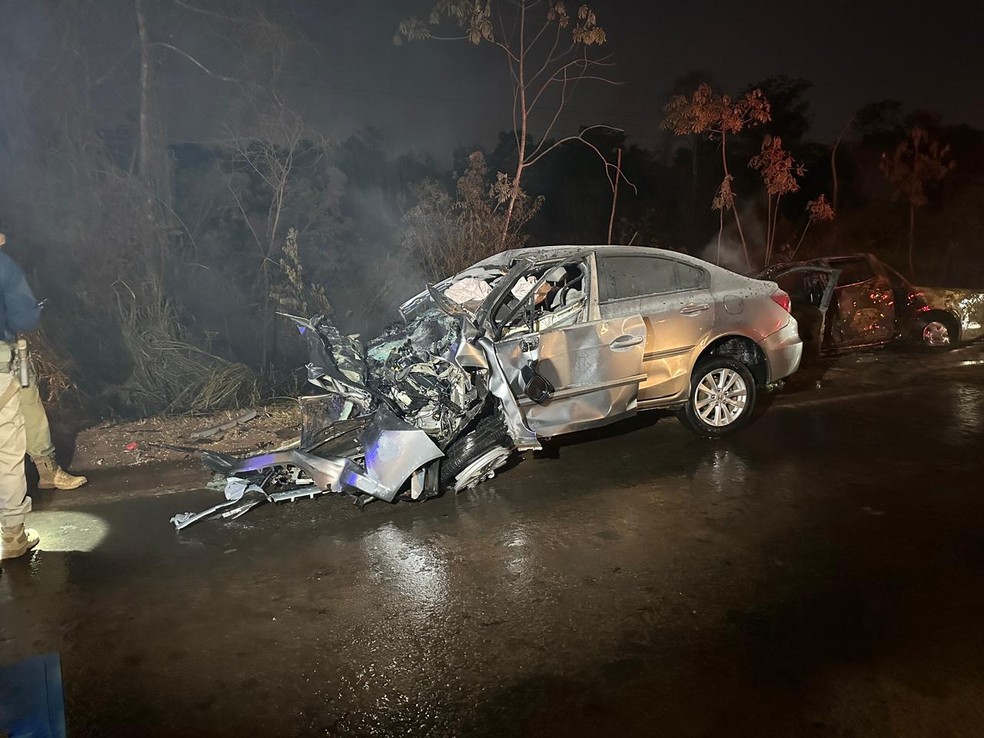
x: 781, y: 299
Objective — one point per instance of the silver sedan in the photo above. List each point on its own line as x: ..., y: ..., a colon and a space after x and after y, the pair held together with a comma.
x: 523, y: 346
x: 594, y: 334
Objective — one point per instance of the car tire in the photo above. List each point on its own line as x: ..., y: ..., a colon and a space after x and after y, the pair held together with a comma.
x: 936, y: 332
x: 489, y: 434
x: 722, y: 397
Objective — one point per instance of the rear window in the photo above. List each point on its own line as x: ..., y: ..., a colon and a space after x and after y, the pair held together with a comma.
x: 690, y: 277
x: 622, y: 277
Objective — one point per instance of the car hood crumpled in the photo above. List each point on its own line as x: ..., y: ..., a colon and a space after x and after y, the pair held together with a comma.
x: 388, y: 409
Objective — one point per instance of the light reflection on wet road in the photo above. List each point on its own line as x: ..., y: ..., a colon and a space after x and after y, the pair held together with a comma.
x: 819, y: 574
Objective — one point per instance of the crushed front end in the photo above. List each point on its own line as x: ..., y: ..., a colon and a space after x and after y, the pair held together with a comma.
x: 419, y: 410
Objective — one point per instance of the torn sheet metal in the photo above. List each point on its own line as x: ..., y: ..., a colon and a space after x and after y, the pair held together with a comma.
x: 394, y: 450
x: 335, y: 361
x: 524, y: 438
x: 241, y: 496
x: 414, y: 367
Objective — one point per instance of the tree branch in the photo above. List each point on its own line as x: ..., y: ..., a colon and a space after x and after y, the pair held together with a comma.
x: 202, y: 11
x: 194, y: 61
x: 550, y: 59
x: 242, y: 210
x: 580, y: 137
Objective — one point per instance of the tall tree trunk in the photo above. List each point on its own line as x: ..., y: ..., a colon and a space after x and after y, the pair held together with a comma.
x: 734, y: 205
x: 768, y: 228
x: 523, y: 123
x: 800, y: 242
x: 152, y: 164
x: 720, y: 234
x: 143, y: 116
x: 773, y: 227
x: 693, y: 179
x: 912, y: 238
x: 618, y: 176
x: 833, y: 162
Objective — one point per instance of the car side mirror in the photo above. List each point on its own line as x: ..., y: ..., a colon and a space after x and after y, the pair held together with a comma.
x: 537, y: 388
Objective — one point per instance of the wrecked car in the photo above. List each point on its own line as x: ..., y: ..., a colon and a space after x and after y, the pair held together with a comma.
x: 857, y: 301
x: 523, y: 346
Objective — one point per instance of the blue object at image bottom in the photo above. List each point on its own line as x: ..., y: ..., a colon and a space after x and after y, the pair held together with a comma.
x: 32, y: 701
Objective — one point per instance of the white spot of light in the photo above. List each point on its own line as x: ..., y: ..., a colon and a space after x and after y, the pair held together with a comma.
x: 63, y: 530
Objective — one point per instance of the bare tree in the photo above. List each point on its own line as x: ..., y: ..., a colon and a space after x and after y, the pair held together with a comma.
x: 547, y: 51
x: 717, y: 116
x: 816, y: 210
x: 271, y: 186
x: 917, y: 163
x: 779, y: 172
x: 446, y: 235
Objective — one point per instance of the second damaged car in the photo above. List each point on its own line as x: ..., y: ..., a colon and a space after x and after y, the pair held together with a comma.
x: 523, y: 346
x: 857, y: 301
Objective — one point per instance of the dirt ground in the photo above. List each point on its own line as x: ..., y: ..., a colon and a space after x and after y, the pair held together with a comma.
x: 115, y: 444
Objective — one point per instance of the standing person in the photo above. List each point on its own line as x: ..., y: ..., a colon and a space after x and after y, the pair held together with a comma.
x: 39, y: 445
x: 38, y: 431
x: 19, y: 311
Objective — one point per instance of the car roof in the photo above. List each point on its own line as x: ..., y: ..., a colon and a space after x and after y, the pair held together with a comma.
x: 820, y: 260
x: 560, y: 251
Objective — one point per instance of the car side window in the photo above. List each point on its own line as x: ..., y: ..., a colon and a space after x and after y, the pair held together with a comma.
x: 897, y: 281
x: 621, y: 277
x: 804, y: 285
x: 853, y: 271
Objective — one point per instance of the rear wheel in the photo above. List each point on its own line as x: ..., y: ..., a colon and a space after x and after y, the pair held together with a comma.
x: 722, y: 396
x: 936, y: 332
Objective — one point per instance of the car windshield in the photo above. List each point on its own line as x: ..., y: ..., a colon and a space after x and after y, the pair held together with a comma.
x: 467, y: 289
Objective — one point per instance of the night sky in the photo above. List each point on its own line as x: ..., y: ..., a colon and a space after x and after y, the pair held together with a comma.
x: 432, y: 96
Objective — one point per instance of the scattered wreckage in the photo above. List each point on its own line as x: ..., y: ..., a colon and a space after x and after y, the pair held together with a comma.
x: 525, y: 345
x: 857, y: 301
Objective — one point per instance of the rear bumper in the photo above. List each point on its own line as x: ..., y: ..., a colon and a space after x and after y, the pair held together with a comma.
x: 784, y: 351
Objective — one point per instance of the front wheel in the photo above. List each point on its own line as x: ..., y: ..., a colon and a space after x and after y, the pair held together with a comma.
x: 475, y: 455
x: 722, y: 395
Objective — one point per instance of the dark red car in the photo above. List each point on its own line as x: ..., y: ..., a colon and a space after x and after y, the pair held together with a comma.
x: 858, y: 301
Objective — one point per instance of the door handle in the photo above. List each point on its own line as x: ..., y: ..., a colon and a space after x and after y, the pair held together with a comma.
x: 694, y: 308
x: 625, y: 341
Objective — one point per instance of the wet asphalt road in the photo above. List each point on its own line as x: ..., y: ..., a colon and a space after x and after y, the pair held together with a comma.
x: 819, y: 574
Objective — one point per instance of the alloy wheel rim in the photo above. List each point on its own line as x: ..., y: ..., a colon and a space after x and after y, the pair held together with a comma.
x: 936, y: 333
x: 721, y: 397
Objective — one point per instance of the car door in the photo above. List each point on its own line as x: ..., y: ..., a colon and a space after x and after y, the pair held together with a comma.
x: 676, y: 305
x: 592, y: 367
x: 811, y: 292
x: 863, y: 306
